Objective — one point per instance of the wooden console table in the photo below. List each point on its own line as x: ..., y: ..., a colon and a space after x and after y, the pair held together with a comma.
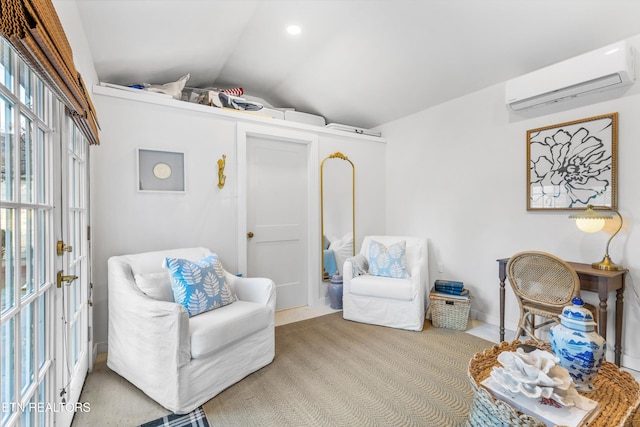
x: 591, y: 280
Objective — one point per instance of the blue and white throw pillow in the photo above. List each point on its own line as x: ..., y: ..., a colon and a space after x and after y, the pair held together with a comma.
x: 388, y: 262
x: 199, y: 285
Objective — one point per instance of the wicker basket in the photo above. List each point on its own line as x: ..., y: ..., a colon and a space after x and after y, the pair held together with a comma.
x: 617, y: 392
x: 450, y: 313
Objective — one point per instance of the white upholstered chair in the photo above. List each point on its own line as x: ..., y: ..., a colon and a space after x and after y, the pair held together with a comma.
x: 385, y: 301
x: 177, y: 360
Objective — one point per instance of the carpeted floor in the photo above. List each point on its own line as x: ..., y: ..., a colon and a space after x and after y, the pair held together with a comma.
x: 332, y: 372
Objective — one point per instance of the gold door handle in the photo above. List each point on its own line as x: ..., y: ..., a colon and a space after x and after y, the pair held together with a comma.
x: 60, y: 279
x: 250, y: 234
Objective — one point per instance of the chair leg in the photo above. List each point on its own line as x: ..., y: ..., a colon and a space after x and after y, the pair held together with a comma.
x: 519, y: 332
x: 533, y: 323
x: 530, y: 326
x: 522, y: 325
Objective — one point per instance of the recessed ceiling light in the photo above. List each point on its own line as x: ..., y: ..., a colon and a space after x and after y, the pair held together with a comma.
x: 294, y: 30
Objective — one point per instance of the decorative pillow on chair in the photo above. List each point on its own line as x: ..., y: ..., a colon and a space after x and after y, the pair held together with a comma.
x: 199, y: 285
x: 388, y: 262
x: 156, y: 285
x: 343, y: 249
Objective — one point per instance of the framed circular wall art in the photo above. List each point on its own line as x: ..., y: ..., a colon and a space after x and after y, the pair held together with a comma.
x: 161, y: 171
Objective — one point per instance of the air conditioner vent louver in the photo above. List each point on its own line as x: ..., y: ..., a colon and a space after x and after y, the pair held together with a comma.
x: 604, y: 69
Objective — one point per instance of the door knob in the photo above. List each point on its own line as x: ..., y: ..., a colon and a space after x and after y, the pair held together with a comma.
x: 61, y: 248
x: 250, y: 234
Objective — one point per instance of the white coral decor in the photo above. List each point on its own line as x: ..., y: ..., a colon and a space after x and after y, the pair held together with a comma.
x: 535, y: 375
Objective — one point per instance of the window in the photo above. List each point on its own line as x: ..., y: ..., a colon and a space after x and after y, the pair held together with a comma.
x: 26, y: 231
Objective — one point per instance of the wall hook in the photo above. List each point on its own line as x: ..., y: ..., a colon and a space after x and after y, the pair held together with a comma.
x: 221, y: 176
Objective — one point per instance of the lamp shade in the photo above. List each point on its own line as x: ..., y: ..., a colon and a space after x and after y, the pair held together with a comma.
x: 591, y: 221
x: 590, y: 225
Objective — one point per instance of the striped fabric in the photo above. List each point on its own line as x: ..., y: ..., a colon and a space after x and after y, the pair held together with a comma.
x: 196, y: 418
x: 234, y: 91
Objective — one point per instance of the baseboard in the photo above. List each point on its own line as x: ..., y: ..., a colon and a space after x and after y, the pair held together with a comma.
x: 320, y: 302
x: 627, y: 361
x: 494, y: 321
x: 100, y: 347
x: 94, y: 354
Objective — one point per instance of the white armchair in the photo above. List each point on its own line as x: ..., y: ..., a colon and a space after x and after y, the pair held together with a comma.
x: 385, y: 301
x: 181, y: 361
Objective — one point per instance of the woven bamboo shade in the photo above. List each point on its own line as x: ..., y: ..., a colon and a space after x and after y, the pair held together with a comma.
x: 34, y: 30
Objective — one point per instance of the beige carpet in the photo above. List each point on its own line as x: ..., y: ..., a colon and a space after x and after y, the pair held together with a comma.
x: 332, y: 372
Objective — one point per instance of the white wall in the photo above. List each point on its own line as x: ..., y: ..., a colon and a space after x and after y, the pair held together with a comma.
x: 127, y: 221
x: 456, y: 173
x: 70, y: 19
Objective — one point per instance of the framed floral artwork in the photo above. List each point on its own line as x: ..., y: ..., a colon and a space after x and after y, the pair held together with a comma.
x: 574, y: 164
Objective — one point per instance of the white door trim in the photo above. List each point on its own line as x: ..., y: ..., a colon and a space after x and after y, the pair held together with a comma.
x: 313, y: 205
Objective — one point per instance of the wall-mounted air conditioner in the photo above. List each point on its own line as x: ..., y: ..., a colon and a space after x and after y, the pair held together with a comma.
x: 603, y: 69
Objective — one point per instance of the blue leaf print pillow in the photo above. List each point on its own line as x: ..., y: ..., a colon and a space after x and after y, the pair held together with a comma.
x: 388, y: 262
x: 199, y: 285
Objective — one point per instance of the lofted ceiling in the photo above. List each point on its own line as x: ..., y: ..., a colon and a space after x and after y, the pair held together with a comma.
x: 356, y: 62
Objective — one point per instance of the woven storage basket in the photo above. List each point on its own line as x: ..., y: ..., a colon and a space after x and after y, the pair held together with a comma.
x: 450, y: 313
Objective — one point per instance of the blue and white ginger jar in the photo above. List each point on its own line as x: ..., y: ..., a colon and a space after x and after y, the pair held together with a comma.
x: 580, y: 349
x: 335, y: 292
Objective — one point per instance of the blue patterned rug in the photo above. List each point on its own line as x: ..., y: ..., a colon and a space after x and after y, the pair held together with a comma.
x: 196, y: 418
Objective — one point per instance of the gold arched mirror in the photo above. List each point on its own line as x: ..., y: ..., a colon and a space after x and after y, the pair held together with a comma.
x: 338, y: 214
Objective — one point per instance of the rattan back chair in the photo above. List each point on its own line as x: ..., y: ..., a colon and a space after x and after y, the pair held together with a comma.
x: 543, y: 284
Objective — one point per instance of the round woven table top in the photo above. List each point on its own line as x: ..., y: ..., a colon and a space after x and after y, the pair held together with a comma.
x: 616, y: 390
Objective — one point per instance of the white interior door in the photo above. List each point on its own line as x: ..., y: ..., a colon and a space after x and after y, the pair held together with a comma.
x: 277, y: 194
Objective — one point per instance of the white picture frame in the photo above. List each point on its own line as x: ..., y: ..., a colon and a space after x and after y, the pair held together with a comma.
x: 160, y: 170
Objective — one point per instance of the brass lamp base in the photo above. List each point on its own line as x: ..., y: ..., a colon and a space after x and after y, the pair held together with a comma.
x: 607, y: 264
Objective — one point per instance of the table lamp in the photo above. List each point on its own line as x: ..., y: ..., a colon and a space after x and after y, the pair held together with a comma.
x: 591, y: 221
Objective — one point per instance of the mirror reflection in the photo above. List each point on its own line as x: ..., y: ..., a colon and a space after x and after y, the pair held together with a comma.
x: 337, y: 200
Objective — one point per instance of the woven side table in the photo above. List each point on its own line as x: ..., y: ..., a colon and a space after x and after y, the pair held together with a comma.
x: 617, y: 391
